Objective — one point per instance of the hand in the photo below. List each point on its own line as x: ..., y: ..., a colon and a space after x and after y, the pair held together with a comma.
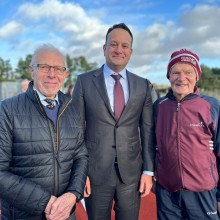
x: 49, y: 205
x: 61, y: 207
x: 145, y: 184
x: 218, y: 208
x: 87, y: 190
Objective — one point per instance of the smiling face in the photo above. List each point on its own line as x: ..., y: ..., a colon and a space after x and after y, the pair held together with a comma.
x: 182, y: 80
x: 48, y: 83
x: 117, y: 49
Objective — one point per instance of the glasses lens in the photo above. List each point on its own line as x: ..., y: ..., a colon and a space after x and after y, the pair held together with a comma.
x: 44, y: 68
x: 59, y: 69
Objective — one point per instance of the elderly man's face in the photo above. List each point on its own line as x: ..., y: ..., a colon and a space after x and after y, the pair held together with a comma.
x: 182, y: 80
x: 48, y: 83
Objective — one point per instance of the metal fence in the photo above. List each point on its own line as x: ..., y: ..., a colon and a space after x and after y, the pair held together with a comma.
x: 8, y: 89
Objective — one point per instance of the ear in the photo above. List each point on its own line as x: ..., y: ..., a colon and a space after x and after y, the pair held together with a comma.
x: 31, y: 70
x: 67, y: 73
x: 104, y: 48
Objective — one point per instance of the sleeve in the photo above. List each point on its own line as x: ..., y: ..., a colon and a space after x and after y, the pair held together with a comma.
x: 147, y: 132
x: 217, y: 146
x: 79, y: 170
x: 16, y: 190
x: 78, y: 100
x: 80, y: 165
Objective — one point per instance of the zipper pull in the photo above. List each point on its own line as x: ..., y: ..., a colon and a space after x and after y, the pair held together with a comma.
x: 57, y: 159
x: 178, y: 107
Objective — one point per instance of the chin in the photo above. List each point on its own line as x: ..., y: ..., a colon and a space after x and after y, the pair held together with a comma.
x: 181, y: 90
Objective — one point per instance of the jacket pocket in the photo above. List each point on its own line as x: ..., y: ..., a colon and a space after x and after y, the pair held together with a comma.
x: 134, y: 151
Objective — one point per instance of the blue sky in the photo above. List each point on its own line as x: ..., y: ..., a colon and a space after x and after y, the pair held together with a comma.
x: 79, y: 28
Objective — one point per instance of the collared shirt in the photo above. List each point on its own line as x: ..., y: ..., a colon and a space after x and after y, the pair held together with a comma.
x: 110, y: 82
x: 42, y: 97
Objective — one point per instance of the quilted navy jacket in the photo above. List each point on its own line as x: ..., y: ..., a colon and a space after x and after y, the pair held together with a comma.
x: 38, y: 160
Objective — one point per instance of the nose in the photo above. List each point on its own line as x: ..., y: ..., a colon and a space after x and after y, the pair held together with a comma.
x: 118, y: 49
x: 182, y: 76
x: 51, y: 72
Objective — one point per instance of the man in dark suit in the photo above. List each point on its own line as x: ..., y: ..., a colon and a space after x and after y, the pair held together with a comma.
x: 117, y: 114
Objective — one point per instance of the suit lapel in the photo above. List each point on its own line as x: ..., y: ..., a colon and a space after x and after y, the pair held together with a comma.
x: 99, y: 82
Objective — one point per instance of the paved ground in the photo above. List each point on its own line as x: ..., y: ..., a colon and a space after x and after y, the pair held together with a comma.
x: 147, y: 212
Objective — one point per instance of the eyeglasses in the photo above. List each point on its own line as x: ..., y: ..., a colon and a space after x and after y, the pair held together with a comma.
x: 59, y: 70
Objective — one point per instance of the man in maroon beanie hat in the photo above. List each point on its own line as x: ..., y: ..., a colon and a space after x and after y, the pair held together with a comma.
x: 187, y: 126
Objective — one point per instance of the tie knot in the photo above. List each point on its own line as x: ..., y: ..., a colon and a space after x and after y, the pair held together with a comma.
x: 50, y: 102
x: 116, y: 77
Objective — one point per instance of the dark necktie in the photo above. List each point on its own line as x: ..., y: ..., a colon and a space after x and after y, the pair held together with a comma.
x: 50, y: 102
x: 119, y: 99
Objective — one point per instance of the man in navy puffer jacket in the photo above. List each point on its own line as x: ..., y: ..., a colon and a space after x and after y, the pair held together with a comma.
x: 43, y: 159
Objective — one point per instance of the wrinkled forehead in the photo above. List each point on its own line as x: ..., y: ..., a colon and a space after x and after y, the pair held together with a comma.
x: 50, y: 57
x: 183, y: 66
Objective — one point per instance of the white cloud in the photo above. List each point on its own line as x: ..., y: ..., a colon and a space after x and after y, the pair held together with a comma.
x: 77, y: 31
x: 82, y: 34
x: 196, y: 29
x: 10, y: 29
x: 211, y: 48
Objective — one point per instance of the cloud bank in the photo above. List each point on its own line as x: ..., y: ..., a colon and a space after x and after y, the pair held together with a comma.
x: 78, y: 31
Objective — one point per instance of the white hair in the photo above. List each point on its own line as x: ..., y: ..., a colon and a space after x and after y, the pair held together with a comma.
x: 46, y: 47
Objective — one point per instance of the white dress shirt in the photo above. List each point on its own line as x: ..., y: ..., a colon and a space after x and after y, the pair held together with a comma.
x: 110, y: 82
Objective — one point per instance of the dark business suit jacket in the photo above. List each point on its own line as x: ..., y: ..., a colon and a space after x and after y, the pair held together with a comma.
x: 130, y: 138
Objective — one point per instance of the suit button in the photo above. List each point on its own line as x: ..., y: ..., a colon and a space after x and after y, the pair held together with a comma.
x: 113, y: 146
x: 116, y: 126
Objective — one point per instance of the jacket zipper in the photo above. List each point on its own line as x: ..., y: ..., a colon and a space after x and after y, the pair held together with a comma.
x: 55, y: 145
x: 178, y: 106
x: 56, y: 161
x: 178, y: 140
x: 57, y: 164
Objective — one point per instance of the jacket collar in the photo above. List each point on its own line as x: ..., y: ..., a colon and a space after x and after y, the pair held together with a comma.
x: 193, y: 95
x: 99, y: 82
x: 32, y: 94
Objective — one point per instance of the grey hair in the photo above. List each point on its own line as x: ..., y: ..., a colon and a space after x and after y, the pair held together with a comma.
x: 47, y: 47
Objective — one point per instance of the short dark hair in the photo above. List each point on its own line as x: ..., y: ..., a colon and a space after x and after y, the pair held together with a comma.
x: 122, y: 26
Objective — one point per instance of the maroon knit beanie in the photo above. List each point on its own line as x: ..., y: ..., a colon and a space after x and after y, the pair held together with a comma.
x: 184, y: 56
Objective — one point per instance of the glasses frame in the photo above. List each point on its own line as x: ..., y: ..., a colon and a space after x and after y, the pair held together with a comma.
x: 56, y: 70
